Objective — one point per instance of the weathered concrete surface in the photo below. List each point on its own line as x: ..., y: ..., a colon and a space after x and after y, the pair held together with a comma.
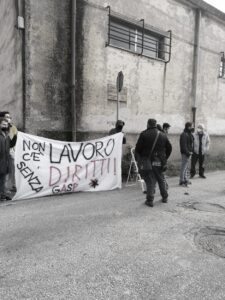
x: 48, y: 68
x: 143, y: 77
x: 11, y: 95
x: 211, y: 90
x: 153, y: 89
x: 111, y: 246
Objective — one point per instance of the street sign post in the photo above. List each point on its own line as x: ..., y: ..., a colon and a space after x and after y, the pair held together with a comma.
x: 119, y: 87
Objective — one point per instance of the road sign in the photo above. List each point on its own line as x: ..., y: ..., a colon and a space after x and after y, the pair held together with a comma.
x: 119, y: 81
x: 119, y: 86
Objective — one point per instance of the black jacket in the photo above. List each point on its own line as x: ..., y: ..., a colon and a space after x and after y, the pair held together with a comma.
x: 5, y: 144
x: 116, y: 130
x: 163, y: 147
x: 186, y: 143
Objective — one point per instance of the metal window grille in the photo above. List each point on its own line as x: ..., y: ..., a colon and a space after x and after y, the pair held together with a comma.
x: 222, y: 66
x: 136, y: 37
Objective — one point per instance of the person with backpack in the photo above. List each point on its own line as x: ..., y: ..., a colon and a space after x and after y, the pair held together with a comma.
x: 152, y: 151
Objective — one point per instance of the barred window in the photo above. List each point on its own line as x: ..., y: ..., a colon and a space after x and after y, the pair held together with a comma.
x: 222, y: 66
x: 138, y: 38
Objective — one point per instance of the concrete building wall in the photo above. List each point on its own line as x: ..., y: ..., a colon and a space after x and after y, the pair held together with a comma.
x: 11, y: 95
x: 48, y: 69
x: 153, y: 88
x: 211, y: 92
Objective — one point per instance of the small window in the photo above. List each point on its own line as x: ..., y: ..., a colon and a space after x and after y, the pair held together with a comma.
x: 136, y: 38
x: 222, y: 66
x: 121, y: 35
x: 153, y: 46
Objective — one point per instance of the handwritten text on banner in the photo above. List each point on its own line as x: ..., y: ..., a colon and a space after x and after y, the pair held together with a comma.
x: 46, y: 167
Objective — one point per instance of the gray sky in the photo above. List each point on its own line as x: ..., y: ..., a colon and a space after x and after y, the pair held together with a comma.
x: 220, y: 4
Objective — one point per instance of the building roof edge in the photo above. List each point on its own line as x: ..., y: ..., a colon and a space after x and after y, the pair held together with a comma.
x: 205, y: 7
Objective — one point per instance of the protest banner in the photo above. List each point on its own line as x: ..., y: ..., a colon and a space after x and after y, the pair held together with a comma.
x: 47, y: 167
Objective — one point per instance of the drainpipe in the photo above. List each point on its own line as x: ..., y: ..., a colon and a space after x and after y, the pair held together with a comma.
x: 20, y: 14
x: 196, y: 63
x: 20, y: 26
x: 73, y: 71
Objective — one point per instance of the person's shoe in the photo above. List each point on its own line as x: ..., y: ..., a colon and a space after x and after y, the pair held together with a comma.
x: 5, y: 198
x: 202, y: 176
x: 164, y: 200
x: 149, y: 203
x: 183, y: 184
x: 188, y: 182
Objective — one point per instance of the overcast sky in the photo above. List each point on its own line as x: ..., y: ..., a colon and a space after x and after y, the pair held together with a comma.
x: 220, y: 4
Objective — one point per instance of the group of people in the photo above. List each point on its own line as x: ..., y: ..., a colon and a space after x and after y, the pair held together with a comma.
x: 153, y: 149
x: 8, y: 137
x: 193, y: 147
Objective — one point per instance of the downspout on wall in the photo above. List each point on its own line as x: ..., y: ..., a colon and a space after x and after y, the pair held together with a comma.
x: 196, y: 64
x: 73, y: 71
x: 20, y: 8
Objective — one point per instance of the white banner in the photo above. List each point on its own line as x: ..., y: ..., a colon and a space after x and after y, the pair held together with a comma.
x: 48, y: 167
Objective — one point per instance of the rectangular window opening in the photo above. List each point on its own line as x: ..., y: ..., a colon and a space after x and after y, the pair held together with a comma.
x: 222, y: 66
x: 134, y: 37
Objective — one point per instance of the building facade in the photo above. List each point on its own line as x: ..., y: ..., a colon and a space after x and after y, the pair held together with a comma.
x: 11, y: 77
x: 171, y: 53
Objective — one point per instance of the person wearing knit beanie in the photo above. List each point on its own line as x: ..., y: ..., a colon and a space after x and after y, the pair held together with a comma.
x: 152, y: 151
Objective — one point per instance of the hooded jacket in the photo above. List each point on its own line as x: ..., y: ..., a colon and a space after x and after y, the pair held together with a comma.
x: 186, y: 142
x: 118, y: 128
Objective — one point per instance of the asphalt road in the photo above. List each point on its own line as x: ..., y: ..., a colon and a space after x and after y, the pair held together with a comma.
x: 109, y: 245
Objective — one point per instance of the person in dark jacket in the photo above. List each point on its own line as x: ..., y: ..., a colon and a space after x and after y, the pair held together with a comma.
x: 5, y: 144
x: 159, y: 156
x: 118, y: 128
x: 186, y: 149
x: 10, y: 180
x: 166, y: 127
x: 159, y: 127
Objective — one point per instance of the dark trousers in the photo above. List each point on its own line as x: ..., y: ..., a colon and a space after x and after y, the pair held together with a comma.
x: 151, y: 177
x: 10, y: 178
x: 2, y: 184
x: 194, y: 159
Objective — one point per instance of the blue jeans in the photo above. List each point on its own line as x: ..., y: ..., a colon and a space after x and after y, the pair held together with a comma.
x: 151, y: 177
x: 10, y: 178
x: 184, y: 171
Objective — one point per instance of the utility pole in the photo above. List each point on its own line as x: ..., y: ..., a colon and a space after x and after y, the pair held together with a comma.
x: 73, y: 71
